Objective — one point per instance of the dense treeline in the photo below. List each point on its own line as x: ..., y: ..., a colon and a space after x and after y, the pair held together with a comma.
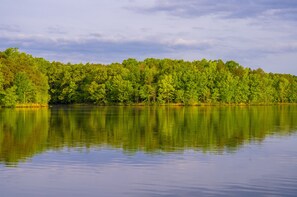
x: 24, y: 79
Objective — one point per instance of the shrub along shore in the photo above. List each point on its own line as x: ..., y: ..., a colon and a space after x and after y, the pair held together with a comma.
x: 26, y: 81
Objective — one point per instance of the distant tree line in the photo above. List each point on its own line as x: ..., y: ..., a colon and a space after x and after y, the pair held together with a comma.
x: 25, y: 79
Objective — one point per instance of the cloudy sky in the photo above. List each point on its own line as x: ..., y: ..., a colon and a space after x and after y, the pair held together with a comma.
x: 255, y: 33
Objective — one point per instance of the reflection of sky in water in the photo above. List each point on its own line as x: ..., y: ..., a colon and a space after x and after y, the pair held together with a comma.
x: 256, y: 169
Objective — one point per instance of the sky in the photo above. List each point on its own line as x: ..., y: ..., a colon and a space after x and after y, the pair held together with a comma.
x: 255, y: 33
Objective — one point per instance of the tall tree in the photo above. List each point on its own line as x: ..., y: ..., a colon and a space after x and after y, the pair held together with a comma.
x: 25, y: 90
x: 166, y: 89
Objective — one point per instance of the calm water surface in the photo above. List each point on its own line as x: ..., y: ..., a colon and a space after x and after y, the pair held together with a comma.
x: 149, y: 151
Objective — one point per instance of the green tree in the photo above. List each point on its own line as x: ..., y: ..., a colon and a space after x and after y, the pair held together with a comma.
x: 24, y: 88
x: 147, y: 93
x: 241, y: 91
x: 166, y: 89
x: 282, y: 89
x: 1, y: 84
x: 97, y: 93
x: 292, y: 96
x: 119, y: 90
x: 10, y: 97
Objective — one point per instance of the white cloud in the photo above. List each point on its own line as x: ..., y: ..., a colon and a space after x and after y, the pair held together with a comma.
x: 248, y: 31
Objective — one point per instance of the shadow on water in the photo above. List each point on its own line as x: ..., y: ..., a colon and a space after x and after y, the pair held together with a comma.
x: 27, y: 132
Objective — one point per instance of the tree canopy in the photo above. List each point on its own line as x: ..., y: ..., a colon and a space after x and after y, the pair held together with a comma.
x: 25, y: 79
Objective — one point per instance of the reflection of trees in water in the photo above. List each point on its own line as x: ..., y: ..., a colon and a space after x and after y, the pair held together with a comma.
x: 25, y: 132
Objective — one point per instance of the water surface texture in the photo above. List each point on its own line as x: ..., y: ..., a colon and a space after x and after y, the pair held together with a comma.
x: 149, y: 151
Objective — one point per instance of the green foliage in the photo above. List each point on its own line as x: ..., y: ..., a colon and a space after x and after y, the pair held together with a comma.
x: 10, y: 97
x: 150, y: 81
x: 22, y: 79
x: 24, y: 88
x: 147, y: 93
x: 120, y: 90
x: 165, y: 89
x: 97, y: 93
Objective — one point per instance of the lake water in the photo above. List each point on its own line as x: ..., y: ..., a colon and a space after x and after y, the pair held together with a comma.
x: 149, y: 151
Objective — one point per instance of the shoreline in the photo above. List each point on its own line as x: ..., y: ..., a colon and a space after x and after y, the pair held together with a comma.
x: 172, y: 104
x: 30, y: 105
x: 34, y: 105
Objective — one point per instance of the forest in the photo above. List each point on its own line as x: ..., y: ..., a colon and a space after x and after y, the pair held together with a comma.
x: 26, y: 80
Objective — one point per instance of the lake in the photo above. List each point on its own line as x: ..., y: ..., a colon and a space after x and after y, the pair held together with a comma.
x: 149, y: 151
